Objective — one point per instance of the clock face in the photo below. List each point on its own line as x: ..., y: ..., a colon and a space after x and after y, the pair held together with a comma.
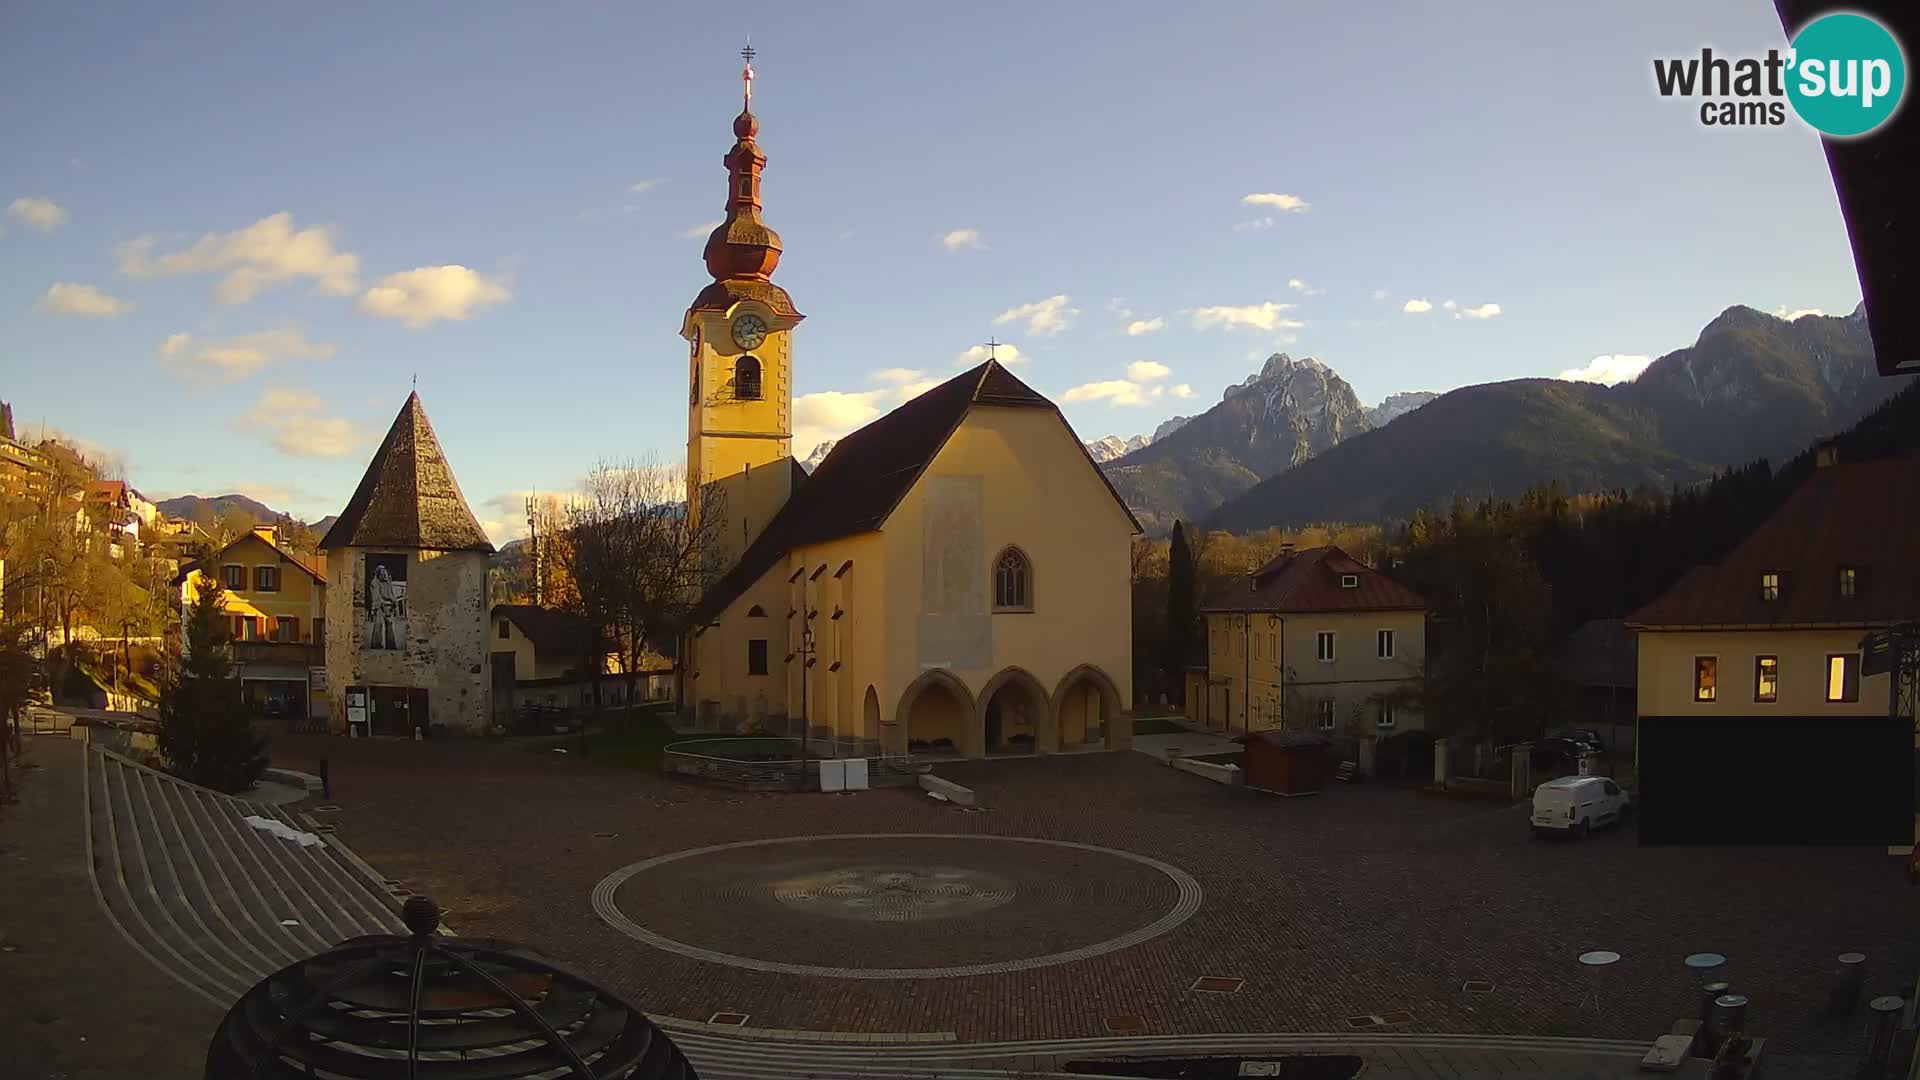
x: 749, y: 331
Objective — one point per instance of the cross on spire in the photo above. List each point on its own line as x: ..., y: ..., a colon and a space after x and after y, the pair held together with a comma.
x: 746, y: 73
x: 992, y: 345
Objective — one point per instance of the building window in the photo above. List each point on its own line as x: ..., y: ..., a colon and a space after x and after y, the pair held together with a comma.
x: 1843, y: 677
x: 1323, y: 646
x: 1769, y: 586
x: 320, y: 632
x: 1706, y: 670
x: 1349, y: 581
x: 248, y: 628
x: 756, y: 612
x: 1383, y: 644
x: 266, y: 579
x: 757, y: 656
x: 1012, y: 582
x: 1328, y: 713
x: 1383, y: 718
x: 233, y: 577
x: 746, y: 379
x: 286, y: 629
x: 1766, y: 678
x: 1849, y: 581
x: 504, y: 632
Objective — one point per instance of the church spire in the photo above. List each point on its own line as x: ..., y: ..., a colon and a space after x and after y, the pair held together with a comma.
x: 742, y: 247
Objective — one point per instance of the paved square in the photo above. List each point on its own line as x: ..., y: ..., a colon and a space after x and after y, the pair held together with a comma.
x: 1368, y: 901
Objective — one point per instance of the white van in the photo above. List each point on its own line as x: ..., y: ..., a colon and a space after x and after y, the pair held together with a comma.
x: 1572, y: 805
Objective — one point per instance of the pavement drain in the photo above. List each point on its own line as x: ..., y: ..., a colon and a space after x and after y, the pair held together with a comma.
x: 605, y: 835
x: 1363, y: 1021
x: 1218, y: 984
x: 325, y: 829
x: 1398, y: 1016
x: 326, y: 808
x: 1477, y: 986
x: 730, y: 1019
x: 1126, y: 1025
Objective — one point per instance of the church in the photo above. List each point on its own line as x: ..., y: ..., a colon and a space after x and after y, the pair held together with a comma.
x: 954, y: 578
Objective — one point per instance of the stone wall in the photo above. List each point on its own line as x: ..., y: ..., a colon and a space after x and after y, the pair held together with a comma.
x: 445, y: 651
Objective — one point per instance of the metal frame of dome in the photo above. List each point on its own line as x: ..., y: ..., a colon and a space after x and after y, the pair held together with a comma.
x: 427, y: 1007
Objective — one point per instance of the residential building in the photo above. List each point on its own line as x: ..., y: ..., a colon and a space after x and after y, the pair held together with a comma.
x: 953, y: 577
x: 122, y: 512
x: 407, y: 613
x: 1775, y: 628
x: 275, y: 603
x: 541, y: 660
x: 1313, y: 640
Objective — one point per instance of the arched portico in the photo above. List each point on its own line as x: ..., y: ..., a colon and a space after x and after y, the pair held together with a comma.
x: 936, y: 711
x: 1087, y: 711
x: 1016, y: 717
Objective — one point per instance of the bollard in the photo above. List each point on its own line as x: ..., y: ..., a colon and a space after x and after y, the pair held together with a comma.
x: 1843, y: 996
x: 1710, y: 1036
x: 1707, y: 994
x: 1881, y: 1025
x: 326, y: 784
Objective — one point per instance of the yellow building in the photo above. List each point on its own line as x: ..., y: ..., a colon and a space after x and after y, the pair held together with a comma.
x: 1314, y: 640
x: 952, y: 578
x: 1775, y: 628
x: 276, y: 604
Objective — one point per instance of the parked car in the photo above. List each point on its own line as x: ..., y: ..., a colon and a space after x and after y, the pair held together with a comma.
x: 1576, y: 805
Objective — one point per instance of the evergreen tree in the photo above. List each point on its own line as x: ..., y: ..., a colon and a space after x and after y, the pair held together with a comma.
x: 1181, y: 612
x: 206, y: 734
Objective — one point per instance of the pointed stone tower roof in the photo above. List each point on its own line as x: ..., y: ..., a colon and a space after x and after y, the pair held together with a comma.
x: 408, y: 498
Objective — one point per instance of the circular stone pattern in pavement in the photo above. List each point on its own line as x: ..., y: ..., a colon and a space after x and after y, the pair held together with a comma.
x: 896, y: 906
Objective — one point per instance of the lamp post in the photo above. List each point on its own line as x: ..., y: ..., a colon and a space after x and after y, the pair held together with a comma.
x: 806, y: 719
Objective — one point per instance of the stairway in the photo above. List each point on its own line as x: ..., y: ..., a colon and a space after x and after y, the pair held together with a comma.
x: 214, y: 901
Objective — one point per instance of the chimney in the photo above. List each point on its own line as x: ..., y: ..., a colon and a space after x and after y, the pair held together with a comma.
x: 1286, y: 548
x: 1828, y: 453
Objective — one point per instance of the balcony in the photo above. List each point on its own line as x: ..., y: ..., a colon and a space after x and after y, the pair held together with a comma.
x: 292, y: 653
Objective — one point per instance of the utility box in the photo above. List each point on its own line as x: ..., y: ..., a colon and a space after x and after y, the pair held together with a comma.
x: 856, y: 774
x: 833, y: 774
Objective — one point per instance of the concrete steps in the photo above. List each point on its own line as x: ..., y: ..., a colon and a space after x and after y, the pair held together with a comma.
x: 214, y: 901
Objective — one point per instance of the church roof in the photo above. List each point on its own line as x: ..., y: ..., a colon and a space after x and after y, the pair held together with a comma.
x: 408, y: 497
x: 867, y: 474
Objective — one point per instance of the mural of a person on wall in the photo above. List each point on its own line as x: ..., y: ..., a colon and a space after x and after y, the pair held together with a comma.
x: 386, y: 601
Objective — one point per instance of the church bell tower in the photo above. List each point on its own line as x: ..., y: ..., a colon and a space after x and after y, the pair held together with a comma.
x: 740, y: 371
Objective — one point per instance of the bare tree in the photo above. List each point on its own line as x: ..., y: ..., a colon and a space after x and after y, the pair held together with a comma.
x: 636, y: 561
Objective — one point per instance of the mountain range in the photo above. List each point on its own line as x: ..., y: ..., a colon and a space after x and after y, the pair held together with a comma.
x: 208, y: 510
x: 1750, y: 386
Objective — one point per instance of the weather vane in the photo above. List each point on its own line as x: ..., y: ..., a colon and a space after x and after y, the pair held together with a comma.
x: 746, y: 73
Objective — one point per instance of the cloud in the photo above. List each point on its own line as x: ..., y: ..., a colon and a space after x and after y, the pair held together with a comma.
x: 421, y: 296
x: 1301, y: 287
x: 69, y: 298
x: 1043, y: 317
x: 961, y: 239
x: 296, y: 424
x: 695, y: 232
x: 1286, y: 204
x: 832, y: 414
x: 1790, y: 314
x: 43, y: 214
x: 1417, y: 307
x: 644, y: 186
x: 1484, y: 311
x: 1008, y: 355
x: 1609, y: 369
x: 1119, y: 307
x: 1256, y: 225
x: 1448, y: 304
x: 1147, y: 371
x: 238, y: 357
x: 1267, y: 316
x: 266, y: 253
x: 1181, y: 390
x: 1146, y: 326
x: 1379, y: 294
x: 1114, y: 392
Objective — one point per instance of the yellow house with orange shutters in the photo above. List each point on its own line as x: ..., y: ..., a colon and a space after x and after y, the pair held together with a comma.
x: 276, y: 604
x: 952, y: 579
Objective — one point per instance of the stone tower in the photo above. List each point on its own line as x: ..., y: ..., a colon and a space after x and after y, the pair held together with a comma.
x: 407, y: 594
x: 740, y: 370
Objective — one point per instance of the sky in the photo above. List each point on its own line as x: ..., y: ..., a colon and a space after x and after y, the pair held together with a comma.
x: 235, y: 236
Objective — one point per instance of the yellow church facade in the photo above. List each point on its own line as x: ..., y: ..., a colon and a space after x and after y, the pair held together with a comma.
x: 954, y: 578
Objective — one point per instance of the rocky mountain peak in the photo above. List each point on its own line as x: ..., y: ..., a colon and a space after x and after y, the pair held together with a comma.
x: 1398, y: 405
x: 1113, y: 446
x: 812, y: 461
x: 1168, y: 427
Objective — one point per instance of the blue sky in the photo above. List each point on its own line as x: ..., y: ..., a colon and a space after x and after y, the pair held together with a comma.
x: 234, y: 234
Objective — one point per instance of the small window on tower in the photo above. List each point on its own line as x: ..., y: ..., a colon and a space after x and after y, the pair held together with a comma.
x: 746, y: 379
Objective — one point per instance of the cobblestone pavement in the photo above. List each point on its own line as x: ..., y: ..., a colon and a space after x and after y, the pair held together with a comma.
x: 1366, y: 901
